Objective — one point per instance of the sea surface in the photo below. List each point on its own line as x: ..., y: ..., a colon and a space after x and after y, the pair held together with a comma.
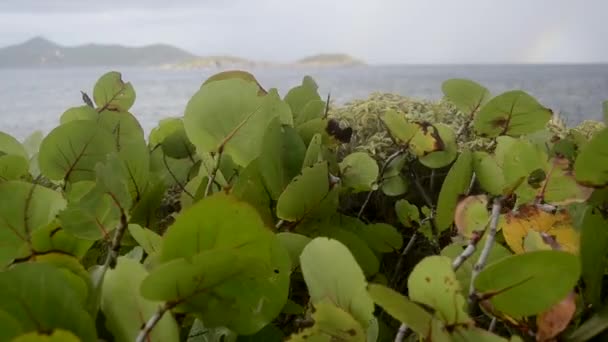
x: 34, y: 99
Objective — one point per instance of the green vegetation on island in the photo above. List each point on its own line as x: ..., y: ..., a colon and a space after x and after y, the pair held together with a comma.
x: 261, y: 217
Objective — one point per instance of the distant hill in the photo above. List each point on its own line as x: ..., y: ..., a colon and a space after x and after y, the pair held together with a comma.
x: 337, y: 59
x: 40, y: 52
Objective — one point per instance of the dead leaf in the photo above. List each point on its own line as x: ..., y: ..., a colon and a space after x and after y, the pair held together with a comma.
x: 515, y: 227
x: 555, y: 320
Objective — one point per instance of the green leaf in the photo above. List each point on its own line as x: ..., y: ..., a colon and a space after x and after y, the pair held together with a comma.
x: 382, y: 237
x: 359, y: 171
x: 434, y: 283
x: 401, y: 308
x: 294, y: 244
x: 145, y: 212
x: 37, y: 296
x: 79, y: 113
x: 304, y: 193
x: 340, y: 281
x: 512, y: 113
x: 456, y: 184
x: 471, y: 215
x: 519, y: 162
x: 591, y: 327
x: 171, y: 135
x: 126, y: 311
x: 58, y: 335
x: 11, y: 146
x: 466, y: 95
x: 448, y: 151
x: 10, y: 327
x: 593, y: 252
x: 112, y: 180
x: 13, y: 167
x: 147, y: 239
x: 24, y: 209
x: 239, y: 74
x: 229, y: 113
x: 225, y: 242
x: 300, y: 96
x: 518, y: 284
x: 314, y: 109
x: 112, y: 93
x: 398, y: 127
x: 281, y: 158
x: 313, y: 152
x: 463, y: 273
x: 488, y: 173
x: 591, y: 166
x: 331, y: 323
x: 54, y: 238
x: 393, y: 183
x: 362, y: 252
x: 249, y: 188
x: 71, y: 151
x: 407, y: 213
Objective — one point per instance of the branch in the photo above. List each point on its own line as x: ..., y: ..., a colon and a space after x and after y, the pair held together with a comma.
x: 380, y: 179
x: 214, y: 171
x: 429, y: 203
x: 151, y: 323
x: 401, y: 332
x: 485, y: 252
x: 406, y: 250
x: 468, y: 252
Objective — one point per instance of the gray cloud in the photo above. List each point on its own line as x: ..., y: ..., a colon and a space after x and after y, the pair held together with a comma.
x: 379, y: 31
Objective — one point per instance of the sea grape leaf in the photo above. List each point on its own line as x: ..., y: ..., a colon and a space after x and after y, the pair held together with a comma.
x: 79, y: 113
x: 24, y: 209
x: 126, y: 310
x: 58, y: 335
x: 593, y: 251
x: 359, y: 171
x: 146, y: 238
x: 340, y: 282
x: 112, y: 180
x: 398, y: 127
x: 250, y: 188
x: 591, y: 166
x: 200, y: 333
x: 360, y: 250
x: 164, y: 129
x: 401, y: 308
x: 331, y: 323
x: 11, y: 146
x: 314, y: 109
x: 37, y: 296
x: 512, y: 113
x: 112, y: 93
x: 555, y: 320
x: 71, y: 151
x: 298, y: 97
x: 471, y: 215
x: 9, y: 327
x: 393, y: 183
x: 456, y: 184
x: 591, y: 327
x: 466, y: 95
x: 304, y: 193
x: 466, y: 334
x: 13, y: 167
x: 427, y: 139
x: 463, y: 273
x: 520, y: 161
x: 313, y: 152
x: 145, y: 212
x: 220, y: 225
x: 177, y: 145
x: 229, y: 114
x: 52, y: 237
x: 446, y: 154
x: 132, y: 148
x: 294, y: 244
x: 560, y: 187
x: 313, y: 127
x: 516, y: 225
x: 90, y: 214
x: 382, y: 237
x: 281, y: 158
x: 407, y: 213
x: 518, y: 284
x: 434, y: 283
x: 240, y: 74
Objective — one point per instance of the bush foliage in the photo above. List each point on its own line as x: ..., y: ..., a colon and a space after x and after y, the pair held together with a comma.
x: 256, y: 217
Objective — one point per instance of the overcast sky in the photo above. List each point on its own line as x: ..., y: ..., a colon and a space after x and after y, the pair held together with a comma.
x: 378, y: 31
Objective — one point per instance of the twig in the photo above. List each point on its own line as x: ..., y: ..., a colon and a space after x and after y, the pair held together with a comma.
x: 429, y: 203
x: 151, y: 323
x: 180, y: 185
x: 114, y: 249
x: 279, y: 224
x: 380, y: 179
x: 468, y: 251
x: 485, y: 252
x: 472, y: 184
x: 214, y: 171
x: 401, y: 332
x: 492, y: 324
x: 405, y: 251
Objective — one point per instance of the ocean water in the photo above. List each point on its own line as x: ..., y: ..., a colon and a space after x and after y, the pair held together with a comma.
x: 34, y: 99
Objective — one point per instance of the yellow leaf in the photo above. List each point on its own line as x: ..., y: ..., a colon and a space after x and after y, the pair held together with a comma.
x: 515, y: 227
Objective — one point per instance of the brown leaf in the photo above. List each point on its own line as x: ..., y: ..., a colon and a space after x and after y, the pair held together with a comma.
x: 553, y: 321
x: 471, y: 215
